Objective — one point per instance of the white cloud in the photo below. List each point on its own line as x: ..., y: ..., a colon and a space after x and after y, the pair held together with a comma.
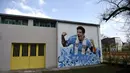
x: 54, y: 10
x: 22, y: 4
x: 12, y: 11
x: 24, y: 7
x: 34, y: 13
x: 41, y: 2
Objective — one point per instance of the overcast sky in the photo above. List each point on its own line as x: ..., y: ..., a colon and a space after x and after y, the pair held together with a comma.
x: 88, y: 11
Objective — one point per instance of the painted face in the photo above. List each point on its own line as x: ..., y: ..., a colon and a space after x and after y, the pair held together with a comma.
x: 80, y: 34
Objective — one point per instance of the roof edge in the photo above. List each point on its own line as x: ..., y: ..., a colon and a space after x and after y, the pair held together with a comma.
x: 58, y: 20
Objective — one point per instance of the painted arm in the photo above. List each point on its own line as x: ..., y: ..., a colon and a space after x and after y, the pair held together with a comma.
x: 63, y: 41
x: 68, y: 42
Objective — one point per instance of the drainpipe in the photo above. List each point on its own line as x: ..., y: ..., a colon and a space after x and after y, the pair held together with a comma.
x: 99, y: 42
x: 0, y: 19
x: 57, y: 48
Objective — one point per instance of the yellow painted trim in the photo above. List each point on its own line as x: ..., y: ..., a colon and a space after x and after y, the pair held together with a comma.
x: 37, y: 48
x: 20, y: 50
x: 45, y: 55
x: 12, y: 46
x: 11, y: 55
x: 29, y: 54
x: 28, y: 50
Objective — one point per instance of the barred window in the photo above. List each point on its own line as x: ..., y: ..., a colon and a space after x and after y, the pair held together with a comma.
x: 44, y: 23
x: 16, y: 50
x: 14, y: 21
x: 41, y: 50
x: 33, y: 50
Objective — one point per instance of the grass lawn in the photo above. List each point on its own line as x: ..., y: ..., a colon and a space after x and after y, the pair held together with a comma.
x: 97, y: 69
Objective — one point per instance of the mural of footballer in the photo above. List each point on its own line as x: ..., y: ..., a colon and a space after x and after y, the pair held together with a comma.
x: 77, y: 50
x: 80, y: 43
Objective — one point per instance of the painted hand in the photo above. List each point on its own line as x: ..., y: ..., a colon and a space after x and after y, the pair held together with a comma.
x: 64, y: 34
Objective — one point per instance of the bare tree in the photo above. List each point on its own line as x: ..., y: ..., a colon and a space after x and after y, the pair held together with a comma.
x: 118, y: 7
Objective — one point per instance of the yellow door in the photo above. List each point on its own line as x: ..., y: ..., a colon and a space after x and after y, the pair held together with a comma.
x: 20, y: 58
x: 27, y: 56
x: 37, y: 59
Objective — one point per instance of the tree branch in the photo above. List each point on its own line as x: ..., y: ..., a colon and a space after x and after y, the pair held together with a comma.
x: 111, y: 2
x: 119, y: 10
x: 120, y: 2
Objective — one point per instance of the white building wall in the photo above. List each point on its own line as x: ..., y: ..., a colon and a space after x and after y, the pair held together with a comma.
x: 119, y: 43
x: 26, y: 34
x: 32, y: 34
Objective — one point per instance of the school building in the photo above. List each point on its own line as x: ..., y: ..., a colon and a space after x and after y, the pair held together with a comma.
x: 31, y: 42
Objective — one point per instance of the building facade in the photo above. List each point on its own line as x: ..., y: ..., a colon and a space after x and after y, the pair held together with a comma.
x: 112, y: 44
x: 31, y: 42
